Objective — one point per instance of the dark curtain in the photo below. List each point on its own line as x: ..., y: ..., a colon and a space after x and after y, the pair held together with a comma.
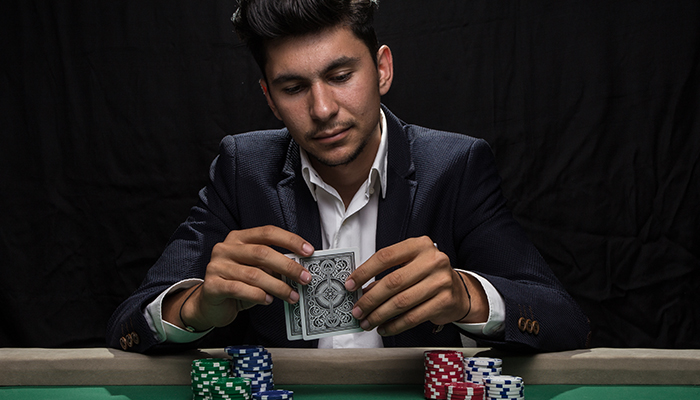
x: 111, y: 112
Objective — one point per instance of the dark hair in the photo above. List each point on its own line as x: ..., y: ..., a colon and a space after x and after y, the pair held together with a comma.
x: 258, y: 21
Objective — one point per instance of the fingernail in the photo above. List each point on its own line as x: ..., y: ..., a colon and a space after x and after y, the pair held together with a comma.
x: 268, y: 299
x: 381, y: 331
x: 305, y: 276
x: 357, y: 313
x: 294, y: 296
x: 307, y: 249
x: 350, y: 285
x: 364, y: 325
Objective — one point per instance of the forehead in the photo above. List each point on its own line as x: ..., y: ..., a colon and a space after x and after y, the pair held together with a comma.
x: 309, y: 55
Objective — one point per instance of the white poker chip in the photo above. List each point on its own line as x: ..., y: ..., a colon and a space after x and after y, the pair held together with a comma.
x: 483, y: 361
x: 503, y: 379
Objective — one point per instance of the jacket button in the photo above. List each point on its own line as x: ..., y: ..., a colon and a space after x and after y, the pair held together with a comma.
x: 522, y: 324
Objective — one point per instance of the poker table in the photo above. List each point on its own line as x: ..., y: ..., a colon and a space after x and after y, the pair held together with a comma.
x: 99, y: 373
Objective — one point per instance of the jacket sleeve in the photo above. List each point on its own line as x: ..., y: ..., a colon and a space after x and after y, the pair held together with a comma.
x: 540, y: 314
x: 186, y: 255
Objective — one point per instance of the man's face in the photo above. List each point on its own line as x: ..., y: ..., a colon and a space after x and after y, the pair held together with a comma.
x: 326, y: 89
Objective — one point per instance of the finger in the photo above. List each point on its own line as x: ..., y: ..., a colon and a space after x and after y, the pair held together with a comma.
x: 380, y: 261
x: 391, y: 285
x: 398, y: 305
x: 252, y: 247
x: 411, y: 318
x: 219, y: 290
x: 369, y: 287
x: 275, y: 236
x: 222, y: 269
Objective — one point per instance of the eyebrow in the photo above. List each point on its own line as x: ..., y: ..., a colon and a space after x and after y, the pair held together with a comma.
x: 337, y: 63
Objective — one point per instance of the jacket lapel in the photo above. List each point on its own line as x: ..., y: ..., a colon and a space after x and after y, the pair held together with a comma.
x: 298, y: 206
x: 395, y: 208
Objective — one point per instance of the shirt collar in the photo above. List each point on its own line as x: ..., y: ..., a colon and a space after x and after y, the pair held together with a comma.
x: 378, y: 170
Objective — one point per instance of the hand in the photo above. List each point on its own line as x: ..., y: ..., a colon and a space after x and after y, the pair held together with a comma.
x: 425, y: 288
x: 243, y: 271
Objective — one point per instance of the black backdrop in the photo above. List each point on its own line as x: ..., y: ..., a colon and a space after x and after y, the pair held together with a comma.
x: 111, y: 112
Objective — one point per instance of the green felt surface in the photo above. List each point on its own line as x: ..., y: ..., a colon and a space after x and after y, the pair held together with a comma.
x: 345, y: 392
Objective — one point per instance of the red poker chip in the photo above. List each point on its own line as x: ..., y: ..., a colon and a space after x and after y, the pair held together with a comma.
x: 441, y: 360
x: 450, y: 373
x: 443, y: 379
x: 465, y: 386
x: 464, y: 397
x: 444, y: 361
x: 435, y: 352
x: 453, y: 371
x: 436, y: 386
x: 447, y: 366
x: 453, y: 356
x: 466, y: 391
x: 470, y: 393
x: 440, y: 393
x: 460, y: 385
x: 436, y: 381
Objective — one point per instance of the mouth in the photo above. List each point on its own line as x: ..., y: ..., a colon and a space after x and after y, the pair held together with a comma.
x: 333, y: 135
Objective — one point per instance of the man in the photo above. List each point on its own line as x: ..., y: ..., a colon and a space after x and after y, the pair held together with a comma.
x: 441, y: 255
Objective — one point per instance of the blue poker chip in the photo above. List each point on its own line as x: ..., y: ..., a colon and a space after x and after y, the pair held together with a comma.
x: 505, y: 392
x: 250, y: 356
x: 251, y: 361
x: 255, y: 374
x: 244, y: 349
x: 253, y: 366
x: 274, y: 395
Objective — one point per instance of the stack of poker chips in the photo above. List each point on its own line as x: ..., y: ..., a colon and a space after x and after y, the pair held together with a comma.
x: 451, y: 376
x: 504, y: 387
x: 230, y: 388
x: 441, y: 368
x: 464, y: 391
x: 478, y: 368
x: 212, y: 379
x: 274, y: 395
x: 254, y: 363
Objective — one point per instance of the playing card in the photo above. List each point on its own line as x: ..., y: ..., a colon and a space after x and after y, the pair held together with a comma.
x: 325, y: 304
x: 292, y: 314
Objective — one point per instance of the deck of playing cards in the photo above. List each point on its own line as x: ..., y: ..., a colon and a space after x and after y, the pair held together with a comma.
x: 325, y: 306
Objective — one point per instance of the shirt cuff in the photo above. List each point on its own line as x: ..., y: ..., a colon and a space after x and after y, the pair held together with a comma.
x: 163, y: 330
x: 495, y: 324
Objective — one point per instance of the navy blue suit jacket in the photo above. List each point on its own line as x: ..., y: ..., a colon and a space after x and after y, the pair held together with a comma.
x: 443, y: 185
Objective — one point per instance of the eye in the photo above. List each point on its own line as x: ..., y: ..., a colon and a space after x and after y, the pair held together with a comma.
x: 292, y: 89
x: 341, y: 77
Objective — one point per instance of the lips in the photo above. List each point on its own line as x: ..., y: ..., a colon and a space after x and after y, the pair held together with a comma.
x: 332, y: 135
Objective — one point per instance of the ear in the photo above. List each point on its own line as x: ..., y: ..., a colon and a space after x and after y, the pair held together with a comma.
x: 270, y: 102
x: 385, y: 68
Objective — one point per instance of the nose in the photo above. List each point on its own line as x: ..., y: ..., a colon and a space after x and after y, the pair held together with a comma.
x: 323, y: 105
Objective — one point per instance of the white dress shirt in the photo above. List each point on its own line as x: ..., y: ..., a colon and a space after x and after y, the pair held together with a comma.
x: 355, y: 226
